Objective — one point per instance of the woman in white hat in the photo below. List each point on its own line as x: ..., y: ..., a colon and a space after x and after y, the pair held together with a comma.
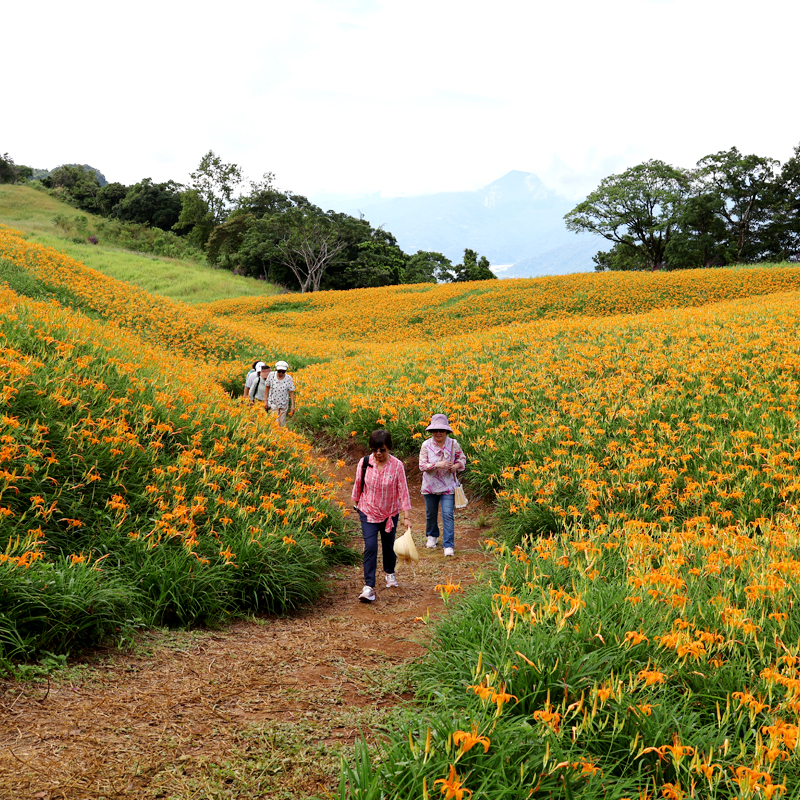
x: 258, y: 387
x: 440, y: 459
x: 251, y: 379
x: 281, y: 392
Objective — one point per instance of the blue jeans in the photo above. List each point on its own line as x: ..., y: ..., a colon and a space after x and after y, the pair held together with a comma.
x: 370, y: 532
x: 448, y: 504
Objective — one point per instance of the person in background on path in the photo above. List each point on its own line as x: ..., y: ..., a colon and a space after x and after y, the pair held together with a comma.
x: 252, y: 375
x: 281, y: 393
x: 380, y: 493
x: 440, y: 459
x: 258, y: 387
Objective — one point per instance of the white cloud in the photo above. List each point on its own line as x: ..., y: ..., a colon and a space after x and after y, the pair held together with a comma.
x: 423, y: 95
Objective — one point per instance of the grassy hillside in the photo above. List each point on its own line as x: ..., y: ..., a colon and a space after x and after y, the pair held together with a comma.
x: 186, y: 330
x: 33, y: 213
x: 31, y: 268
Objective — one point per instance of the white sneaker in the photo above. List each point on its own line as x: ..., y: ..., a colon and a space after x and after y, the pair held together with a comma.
x: 391, y: 580
x: 448, y: 551
x: 432, y: 541
x: 367, y: 595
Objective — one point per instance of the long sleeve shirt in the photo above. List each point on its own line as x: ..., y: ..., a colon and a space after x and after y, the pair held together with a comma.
x: 440, y: 481
x: 385, y: 491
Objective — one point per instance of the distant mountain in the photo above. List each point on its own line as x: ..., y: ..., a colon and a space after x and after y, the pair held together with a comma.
x: 516, y: 222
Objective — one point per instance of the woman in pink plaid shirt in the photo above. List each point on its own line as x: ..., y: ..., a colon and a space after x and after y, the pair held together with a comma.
x: 384, y: 496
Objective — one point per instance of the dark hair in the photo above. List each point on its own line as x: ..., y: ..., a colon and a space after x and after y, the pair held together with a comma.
x: 380, y: 438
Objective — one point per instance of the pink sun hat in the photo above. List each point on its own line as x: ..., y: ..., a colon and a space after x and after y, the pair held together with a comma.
x: 439, y: 423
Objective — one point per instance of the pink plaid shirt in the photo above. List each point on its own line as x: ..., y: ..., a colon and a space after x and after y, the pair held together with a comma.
x: 385, y: 491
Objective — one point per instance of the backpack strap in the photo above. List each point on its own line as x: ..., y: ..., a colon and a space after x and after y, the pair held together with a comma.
x: 364, y: 465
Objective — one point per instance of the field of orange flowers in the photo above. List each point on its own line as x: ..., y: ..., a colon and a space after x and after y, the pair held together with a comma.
x: 639, y: 637
x: 431, y: 312
x: 638, y: 434
x: 133, y: 491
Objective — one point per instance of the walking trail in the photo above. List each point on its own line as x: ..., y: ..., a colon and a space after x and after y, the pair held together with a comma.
x: 261, y: 709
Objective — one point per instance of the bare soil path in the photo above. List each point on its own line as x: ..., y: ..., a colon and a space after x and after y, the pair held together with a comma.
x: 262, y: 709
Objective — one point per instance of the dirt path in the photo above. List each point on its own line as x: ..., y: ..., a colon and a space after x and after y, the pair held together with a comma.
x: 262, y: 709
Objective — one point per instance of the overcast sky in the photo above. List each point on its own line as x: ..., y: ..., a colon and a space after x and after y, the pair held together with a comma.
x: 400, y: 96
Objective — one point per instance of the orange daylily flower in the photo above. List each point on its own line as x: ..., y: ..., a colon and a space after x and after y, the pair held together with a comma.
x: 452, y: 788
x: 468, y: 740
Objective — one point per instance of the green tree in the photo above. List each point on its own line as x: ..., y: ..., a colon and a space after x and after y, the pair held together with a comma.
x: 215, y: 182
x: 294, y: 247
x: 472, y: 268
x: 621, y: 257
x: 748, y: 192
x: 245, y: 242
x: 783, y: 233
x: 475, y: 268
x: 195, y: 220
x: 257, y: 255
x: 423, y: 267
x: 108, y: 196
x: 380, y: 261
x: 357, y: 255
x: 264, y: 198
x: 637, y: 211
x: 284, y: 238
x: 155, y: 204
x: 701, y: 236
x: 306, y: 241
x: 349, y: 269
x: 76, y: 184
x: 226, y: 240
x: 8, y: 171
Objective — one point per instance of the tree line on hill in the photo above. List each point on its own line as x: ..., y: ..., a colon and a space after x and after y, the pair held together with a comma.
x: 261, y: 231
x: 730, y: 209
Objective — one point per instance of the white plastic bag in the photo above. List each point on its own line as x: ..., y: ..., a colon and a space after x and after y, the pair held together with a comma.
x: 460, y: 495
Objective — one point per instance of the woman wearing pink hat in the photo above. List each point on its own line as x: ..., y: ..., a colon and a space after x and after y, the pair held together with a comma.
x: 440, y: 458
